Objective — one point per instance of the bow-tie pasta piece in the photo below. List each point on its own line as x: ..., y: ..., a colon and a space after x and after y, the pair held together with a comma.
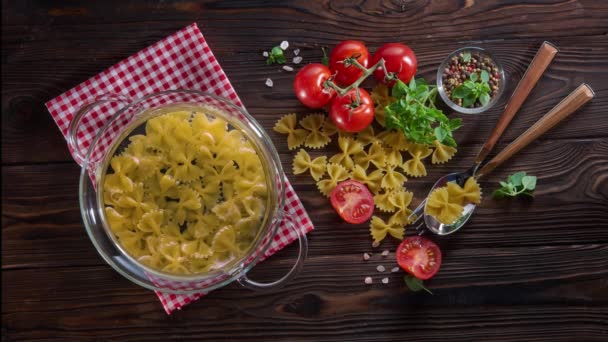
x: 314, y: 124
x: 381, y: 96
x: 372, y: 180
x: 302, y: 163
x: 379, y: 229
x: 348, y: 148
x: 414, y: 167
x: 366, y: 136
x: 382, y: 201
x: 393, y: 157
x: 392, y: 179
x: 375, y: 155
x: 471, y: 191
x: 439, y: 206
x: 336, y: 174
x: 295, y: 136
x: 442, y: 153
x: 329, y: 128
x: 401, y: 199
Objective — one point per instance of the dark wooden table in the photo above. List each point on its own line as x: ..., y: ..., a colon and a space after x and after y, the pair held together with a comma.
x: 520, y: 270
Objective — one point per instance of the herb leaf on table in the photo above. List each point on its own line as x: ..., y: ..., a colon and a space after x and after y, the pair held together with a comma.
x: 415, y: 284
x: 276, y: 56
x: 414, y: 113
x: 517, y: 184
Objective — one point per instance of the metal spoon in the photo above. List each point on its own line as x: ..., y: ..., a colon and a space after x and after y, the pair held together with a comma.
x: 576, y: 99
x: 537, y: 67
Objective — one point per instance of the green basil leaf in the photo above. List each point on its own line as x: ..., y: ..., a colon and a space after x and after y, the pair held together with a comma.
x: 455, y: 124
x: 415, y: 284
x: 413, y: 84
x: 484, y: 99
x: 449, y: 140
x: 469, y: 100
x: 440, y: 133
x: 474, y: 77
x: 500, y: 193
x: 466, y: 57
x: 485, y: 87
x: 485, y: 77
x: 516, y: 178
x: 529, y: 182
x: 399, y: 89
x: 460, y: 92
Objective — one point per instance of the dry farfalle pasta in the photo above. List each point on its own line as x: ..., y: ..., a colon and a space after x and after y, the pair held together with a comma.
x: 287, y: 125
x: 441, y: 207
x: 366, y: 136
x: 336, y: 174
x: 348, y: 148
x: 442, y: 153
x: 375, y: 155
x: 302, y: 162
x: 401, y: 199
x: 382, y: 201
x: 469, y: 193
x: 381, y: 97
x: 372, y: 180
x: 392, y: 179
x: 316, y: 138
x: 379, y: 229
x: 414, y: 167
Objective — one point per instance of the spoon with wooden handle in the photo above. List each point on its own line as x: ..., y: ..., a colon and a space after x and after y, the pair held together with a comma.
x: 537, y: 67
x: 561, y: 111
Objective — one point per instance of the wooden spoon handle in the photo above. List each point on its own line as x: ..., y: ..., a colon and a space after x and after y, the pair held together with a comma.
x: 562, y: 110
x: 537, y: 67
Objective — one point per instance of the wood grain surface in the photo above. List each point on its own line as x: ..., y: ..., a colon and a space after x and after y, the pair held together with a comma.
x: 522, y: 269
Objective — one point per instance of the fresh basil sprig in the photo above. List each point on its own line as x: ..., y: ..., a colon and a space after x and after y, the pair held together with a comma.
x: 276, y: 56
x: 415, y: 284
x: 325, y: 59
x: 473, y: 89
x: 414, y: 113
x: 517, y: 184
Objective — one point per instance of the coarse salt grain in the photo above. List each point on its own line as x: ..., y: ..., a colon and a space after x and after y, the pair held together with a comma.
x: 269, y: 83
x: 297, y: 60
x: 380, y: 268
x: 284, y: 45
x: 395, y: 270
x: 296, y: 52
x: 368, y: 280
x: 287, y: 68
x: 384, y: 280
x: 366, y: 256
x: 375, y: 244
x: 385, y: 252
x: 265, y: 53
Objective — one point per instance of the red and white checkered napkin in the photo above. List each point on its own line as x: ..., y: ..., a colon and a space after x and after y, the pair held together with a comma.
x: 180, y: 61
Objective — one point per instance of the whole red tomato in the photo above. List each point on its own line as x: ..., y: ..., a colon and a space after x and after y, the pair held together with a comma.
x: 400, y: 61
x: 347, y: 75
x: 352, y: 113
x: 309, y: 86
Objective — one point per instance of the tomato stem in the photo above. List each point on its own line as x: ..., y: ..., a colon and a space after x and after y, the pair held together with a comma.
x: 366, y: 73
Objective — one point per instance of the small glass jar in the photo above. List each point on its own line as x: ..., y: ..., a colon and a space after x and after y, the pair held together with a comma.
x: 475, y: 110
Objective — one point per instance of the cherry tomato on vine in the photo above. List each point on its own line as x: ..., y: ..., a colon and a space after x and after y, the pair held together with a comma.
x: 400, y: 61
x: 352, y: 201
x: 352, y: 112
x: 419, y: 257
x: 347, y: 75
x: 309, y: 86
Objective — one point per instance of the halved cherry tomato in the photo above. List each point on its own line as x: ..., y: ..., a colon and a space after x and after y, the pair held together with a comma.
x: 353, y: 201
x: 400, y: 61
x: 309, y: 86
x: 419, y: 257
x: 347, y: 75
x: 352, y: 112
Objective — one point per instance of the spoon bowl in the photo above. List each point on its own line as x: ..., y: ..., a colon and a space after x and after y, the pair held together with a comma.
x: 445, y: 229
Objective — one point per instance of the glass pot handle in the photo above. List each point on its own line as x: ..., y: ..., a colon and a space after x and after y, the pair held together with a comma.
x: 295, y: 269
x: 78, y: 151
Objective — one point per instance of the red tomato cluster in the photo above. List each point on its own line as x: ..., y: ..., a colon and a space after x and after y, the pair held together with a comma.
x: 353, y: 111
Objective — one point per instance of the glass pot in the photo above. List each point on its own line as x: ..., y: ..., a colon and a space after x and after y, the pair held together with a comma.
x: 94, y: 158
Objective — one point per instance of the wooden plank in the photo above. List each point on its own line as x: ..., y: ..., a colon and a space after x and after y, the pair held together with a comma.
x: 489, y: 289
x: 42, y: 225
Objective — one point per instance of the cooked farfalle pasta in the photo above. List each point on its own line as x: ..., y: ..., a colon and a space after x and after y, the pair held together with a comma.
x: 441, y: 207
x: 336, y: 174
x: 414, y: 167
x: 379, y: 229
x: 401, y: 200
x: 375, y: 155
x: 371, y: 180
x: 316, y: 138
x: 348, y: 148
x: 382, y: 201
x: 381, y: 96
x: 392, y: 179
x: 442, y: 153
x: 286, y: 125
x: 188, y: 195
x: 302, y: 162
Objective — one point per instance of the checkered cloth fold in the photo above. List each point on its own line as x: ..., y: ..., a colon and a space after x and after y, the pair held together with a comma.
x: 180, y: 61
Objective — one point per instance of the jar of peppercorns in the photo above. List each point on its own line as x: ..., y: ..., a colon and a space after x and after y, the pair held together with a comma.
x: 470, y: 80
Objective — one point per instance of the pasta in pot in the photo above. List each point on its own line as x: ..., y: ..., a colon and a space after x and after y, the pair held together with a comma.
x: 189, y: 194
